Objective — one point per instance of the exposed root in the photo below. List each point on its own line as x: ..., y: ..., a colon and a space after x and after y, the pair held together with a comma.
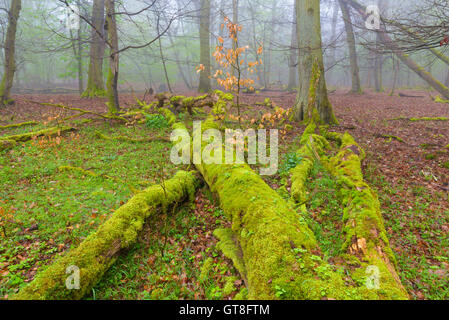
x: 100, y: 250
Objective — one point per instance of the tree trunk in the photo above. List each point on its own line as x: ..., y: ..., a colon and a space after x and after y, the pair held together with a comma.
x: 388, y: 42
x: 378, y: 61
x: 95, y: 83
x: 205, y: 60
x: 10, y: 49
x: 293, y: 70
x: 356, y: 88
x: 112, y: 83
x: 309, y: 40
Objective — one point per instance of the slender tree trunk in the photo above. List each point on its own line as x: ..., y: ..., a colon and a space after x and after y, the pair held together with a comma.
x: 112, y: 83
x: 10, y: 49
x: 164, y: 65
x: 334, y: 38
x: 268, y: 64
x: 293, y: 70
x: 395, y: 75
x: 356, y: 88
x: 378, y: 62
x: 310, y: 52
x: 205, y: 84
x: 95, y: 83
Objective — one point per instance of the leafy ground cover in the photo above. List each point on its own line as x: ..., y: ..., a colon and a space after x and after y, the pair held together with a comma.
x: 50, y: 210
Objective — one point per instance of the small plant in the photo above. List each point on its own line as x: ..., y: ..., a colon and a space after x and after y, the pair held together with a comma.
x: 291, y: 160
x: 232, y: 64
x: 156, y: 121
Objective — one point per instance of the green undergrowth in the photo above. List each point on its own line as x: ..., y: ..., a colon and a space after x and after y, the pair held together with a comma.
x: 324, y: 211
x: 176, y: 258
x: 417, y: 223
x: 49, y: 210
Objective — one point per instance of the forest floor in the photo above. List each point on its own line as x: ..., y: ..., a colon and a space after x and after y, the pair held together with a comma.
x: 176, y: 258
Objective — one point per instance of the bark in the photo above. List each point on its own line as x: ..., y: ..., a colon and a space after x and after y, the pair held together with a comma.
x: 356, y: 88
x: 388, y: 42
x: 112, y: 83
x: 95, y: 83
x: 293, y: 70
x: 10, y: 49
x: 310, y: 51
x: 101, y: 249
x: 205, y: 59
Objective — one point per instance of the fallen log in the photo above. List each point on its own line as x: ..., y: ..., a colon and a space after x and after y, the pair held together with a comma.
x: 7, y: 144
x: 403, y: 95
x: 18, y: 125
x: 100, y: 250
x: 270, y: 243
x: 54, y: 131
x: 365, y: 236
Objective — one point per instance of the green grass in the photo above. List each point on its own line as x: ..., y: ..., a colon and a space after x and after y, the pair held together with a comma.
x: 176, y: 258
x: 416, y: 220
x: 67, y: 205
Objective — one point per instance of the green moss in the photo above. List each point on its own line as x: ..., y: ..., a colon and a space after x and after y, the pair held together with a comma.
x: 7, y: 144
x: 206, y: 270
x: 94, y: 92
x: 44, y: 132
x: 99, y: 251
x: 275, y: 241
x: 230, y: 247
x: 364, y: 228
x: 18, y: 125
x: 242, y: 295
x: 430, y: 119
x: 446, y: 165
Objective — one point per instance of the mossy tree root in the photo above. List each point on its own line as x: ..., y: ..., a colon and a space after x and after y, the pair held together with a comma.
x: 100, y: 250
x: 44, y: 132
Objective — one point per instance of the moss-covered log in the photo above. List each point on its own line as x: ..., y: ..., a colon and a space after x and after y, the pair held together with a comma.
x: 312, y: 148
x: 270, y: 243
x: 7, y: 144
x: 364, y: 231
x: 366, y: 247
x: 44, y: 132
x: 100, y: 250
x: 18, y: 125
